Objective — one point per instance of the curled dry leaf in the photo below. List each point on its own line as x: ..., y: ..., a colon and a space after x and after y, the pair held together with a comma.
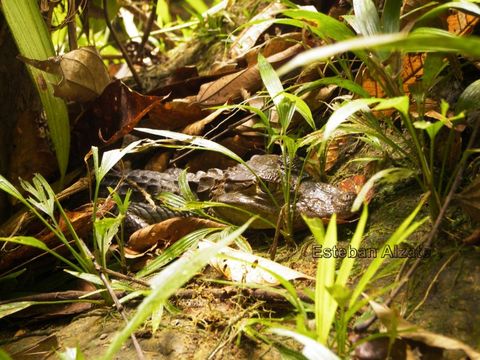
x: 240, y: 266
x: 176, y: 114
x: 82, y: 72
x: 110, y: 117
x: 165, y: 233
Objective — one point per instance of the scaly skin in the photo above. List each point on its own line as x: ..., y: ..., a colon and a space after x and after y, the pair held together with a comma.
x: 255, y: 188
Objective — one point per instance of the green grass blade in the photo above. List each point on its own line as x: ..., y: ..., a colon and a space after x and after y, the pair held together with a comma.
x: 334, y: 80
x: 420, y: 40
x: 400, y: 235
x: 33, y: 40
x: 270, y: 80
x: 326, y: 27
x: 391, y: 16
x: 366, y: 17
x: 391, y: 175
x: 312, y: 350
x: 465, y: 6
x: 347, y: 263
x: 325, y: 304
x: 166, y: 283
x: 344, y: 112
x: 33, y: 242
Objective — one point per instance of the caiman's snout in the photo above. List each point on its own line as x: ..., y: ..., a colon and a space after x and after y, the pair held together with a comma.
x: 319, y: 200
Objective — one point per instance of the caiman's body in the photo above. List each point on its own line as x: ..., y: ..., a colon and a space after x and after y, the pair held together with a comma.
x: 256, y: 189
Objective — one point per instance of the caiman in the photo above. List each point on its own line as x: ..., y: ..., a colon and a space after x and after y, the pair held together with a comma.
x: 255, y: 188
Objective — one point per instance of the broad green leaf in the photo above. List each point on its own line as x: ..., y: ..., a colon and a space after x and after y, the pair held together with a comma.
x: 31, y: 241
x: 4, y: 355
x: 432, y: 128
x: 434, y: 64
x: 469, y: 99
x: 105, y: 229
x: 8, y: 187
x: 91, y: 278
x: 194, y: 140
x: 34, y: 42
x: 302, y: 108
x: 325, y: 52
x: 366, y: 17
x: 325, y: 304
x: 420, y: 40
x: 326, y: 27
x: 43, y: 195
x: 110, y: 158
x: 174, y: 251
x: 270, y: 80
x: 400, y: 103
x: 157, y: 318
x: 391, y: 16
x: 344, y: 112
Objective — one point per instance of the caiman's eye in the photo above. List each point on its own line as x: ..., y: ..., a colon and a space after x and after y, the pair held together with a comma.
x: 243, y: 186
x: 273, y: 187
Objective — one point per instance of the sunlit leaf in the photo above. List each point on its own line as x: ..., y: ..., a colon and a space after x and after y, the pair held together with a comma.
x: 312, y: 350
x: 166, y: 283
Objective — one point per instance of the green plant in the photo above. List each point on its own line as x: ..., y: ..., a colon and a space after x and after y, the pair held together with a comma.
x: 335, y: 304
x: 381, y: 48
x: 44, y: 204
x: 34, y: 42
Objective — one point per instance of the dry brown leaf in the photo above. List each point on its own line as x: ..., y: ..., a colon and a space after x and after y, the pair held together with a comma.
x: 176, y: 114
x: 198, y: 127
x: 167, y: 232
x: 273, y: 46
x: 460, y: 23
x: 407, y: 330
x: 230, y: 87
x: 412, y: 70
x: 82, y: 71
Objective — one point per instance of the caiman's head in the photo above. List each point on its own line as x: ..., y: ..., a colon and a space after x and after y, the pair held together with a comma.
x: 241, y: 189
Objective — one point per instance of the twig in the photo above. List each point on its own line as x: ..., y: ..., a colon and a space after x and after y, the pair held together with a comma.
x: 72, y: 26
x: 119, y: 307
x: 436, y: 226
x: 125, y: 277
x: 120, y: 46
x: 148, y: 29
